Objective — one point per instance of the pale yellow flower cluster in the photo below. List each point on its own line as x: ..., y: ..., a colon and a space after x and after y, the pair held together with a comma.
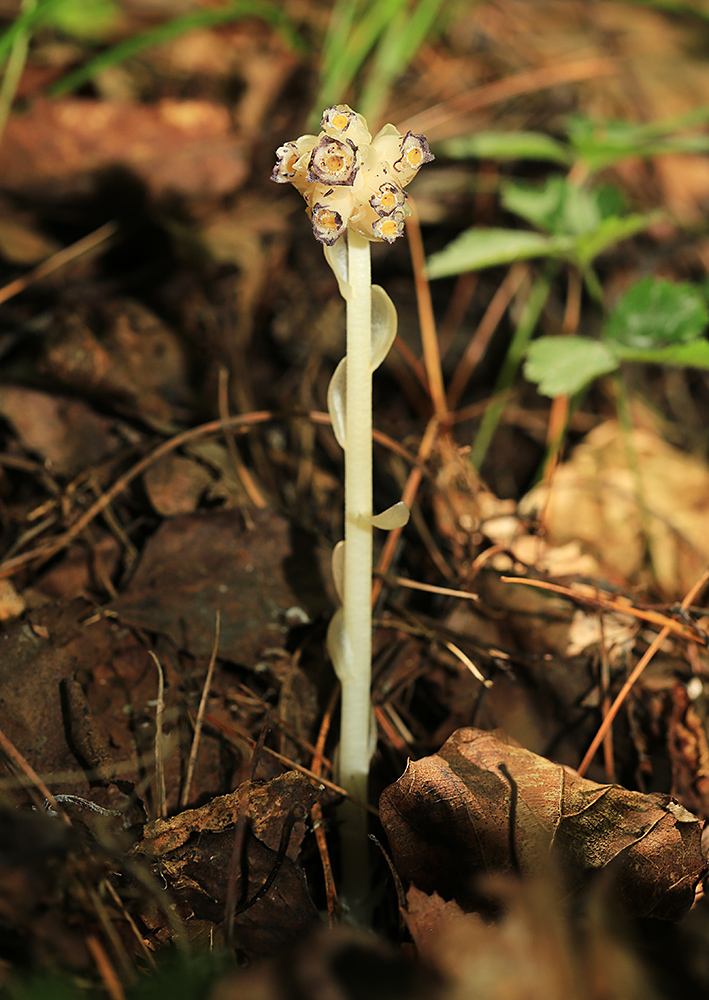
x: 349, y: 179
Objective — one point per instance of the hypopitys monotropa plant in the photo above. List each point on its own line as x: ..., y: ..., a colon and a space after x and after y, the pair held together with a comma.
x: 353, y: 187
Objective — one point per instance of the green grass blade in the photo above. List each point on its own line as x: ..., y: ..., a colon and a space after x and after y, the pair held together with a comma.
x: 206, y: 18
x: 14, y: 68
x: 24, y: 24
x: 395, y: 50
x: 348, y: 60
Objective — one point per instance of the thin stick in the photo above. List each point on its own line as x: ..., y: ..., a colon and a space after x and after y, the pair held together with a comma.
x: 59, y: 259
x: 14, y: 755
x: 159, y: 764
x: 429, y: 588
x: 146, y: 952
x: 199, y: 721
x: 467, y: 662
x: 486, y: 327
x: 52, y: 546
x: 106, y: 970
x: 333, y: 903
x: 595, y: 600
x: 427, y: 322
x: 642, y: 663
x: 247, y: 480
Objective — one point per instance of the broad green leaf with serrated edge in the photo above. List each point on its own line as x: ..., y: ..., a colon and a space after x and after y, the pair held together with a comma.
x: 563, y: 365
x: 506, y: 146
x: 476, y: 248
x: 610, y: 232
x: 555, y: 205
x: 655, y: 313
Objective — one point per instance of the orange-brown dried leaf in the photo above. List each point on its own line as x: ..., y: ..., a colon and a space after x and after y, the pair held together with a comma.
x: 483, y: 805
x: 187, y: 147
x: 65, y: 432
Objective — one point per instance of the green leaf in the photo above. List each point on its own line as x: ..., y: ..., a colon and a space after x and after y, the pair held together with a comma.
x: 85, y: 19
x: 695, y: 354
x: 610, y: 232
x: 507, y: 146
x: 601, y: 144
x: 558, y: 206
x: 656, y: 313
x: 563, y: 365
x: 477, y: 248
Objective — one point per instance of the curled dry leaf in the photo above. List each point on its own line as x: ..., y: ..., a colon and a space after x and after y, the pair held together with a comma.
x: 621, y: 512
x: 483, y: 805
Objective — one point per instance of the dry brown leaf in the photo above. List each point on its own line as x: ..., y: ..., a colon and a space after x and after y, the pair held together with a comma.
x: 65, y: 432
x: 195, y: 564
x: 529, y: 952
x: 175, y: 484
x: 483, y: 805
x: 186, y: 147
x: 193, y: 853
x: 597, y: 498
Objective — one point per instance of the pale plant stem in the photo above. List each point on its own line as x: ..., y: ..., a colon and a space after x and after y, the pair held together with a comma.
x: 357, y: 608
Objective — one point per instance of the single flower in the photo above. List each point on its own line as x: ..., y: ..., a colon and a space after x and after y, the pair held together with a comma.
x: 350, y: 180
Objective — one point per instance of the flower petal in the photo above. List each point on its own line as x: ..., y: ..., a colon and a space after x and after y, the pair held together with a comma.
x: 387, y: 198
x: 287, y: 156
x: 390, y: 227
x: 414, y: 153
x: 333, y: 162
x: 328, y: 223
x: 386, y: 146
x: 341, y: 121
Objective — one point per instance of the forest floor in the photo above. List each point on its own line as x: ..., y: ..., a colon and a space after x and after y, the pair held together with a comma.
x: 171, y: 492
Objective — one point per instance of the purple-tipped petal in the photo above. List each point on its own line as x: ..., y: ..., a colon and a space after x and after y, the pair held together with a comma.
x: 333, y: 162
x: 387, y: 198
x: 414, y: 153
x: 328, y: 224
x: 286, y: 158
x: 389, y: 227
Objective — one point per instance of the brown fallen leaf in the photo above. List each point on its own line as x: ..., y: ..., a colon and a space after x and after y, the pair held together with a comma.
x: 620, y: 512
x: 531, y: 951
x: 187, y: 147
x: 195, y: 564
x: 193, y: 853
x: 65, y: 432
x: 175, y: 484
x: 41, y: 653
x: 484, y: 805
